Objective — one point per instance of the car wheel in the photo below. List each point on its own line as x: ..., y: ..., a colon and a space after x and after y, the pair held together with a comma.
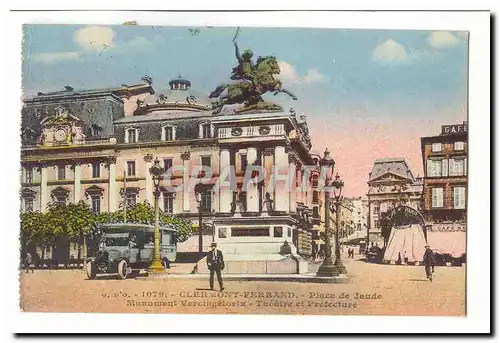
x: 90, y: 268
x: 122, y: 269
x: 166, y: 264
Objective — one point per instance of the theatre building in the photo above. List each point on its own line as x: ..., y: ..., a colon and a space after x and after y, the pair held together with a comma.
x: 445, y: 189
x: 97, y: 146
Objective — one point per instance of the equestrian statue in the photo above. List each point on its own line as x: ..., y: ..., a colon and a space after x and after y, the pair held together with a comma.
x: 254, y: 80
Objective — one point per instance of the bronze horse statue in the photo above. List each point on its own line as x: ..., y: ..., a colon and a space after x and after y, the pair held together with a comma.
x: 250, y: 93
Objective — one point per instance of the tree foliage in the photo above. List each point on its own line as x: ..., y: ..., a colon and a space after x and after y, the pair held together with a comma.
x: 75, y: 220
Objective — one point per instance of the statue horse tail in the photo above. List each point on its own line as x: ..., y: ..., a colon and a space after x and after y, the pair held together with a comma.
x: 218, y: 91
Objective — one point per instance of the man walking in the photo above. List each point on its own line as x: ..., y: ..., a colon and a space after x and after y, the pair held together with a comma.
x: 215, y: 263
x: 28, y: 260
x: 429, y: 262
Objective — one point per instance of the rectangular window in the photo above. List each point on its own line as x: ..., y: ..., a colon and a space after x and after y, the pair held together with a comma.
x: 437, y: 197
x: 206, y: 161
x: 244, y: 162
x: 132, y: 136
x: 206, y: 131
x: 437, y: 147
x: 459, y: 197
x: 279, y: 129
x: 206, y: 201
x: 167, y: 164
x: 96, y: 204
x: 250, y: 131
x: 458, y: 146
x: 457, y: 167
x: 278, y: 231
x: 130, y: 168
x: 289, y: 232
x: 376, y: 209
x: 375, y: 224
x: 222, y: 132
x: 29, y: 175
x: 315, y: 198
x: 168, y: 202
x: 435, y: 167
x: 131, y: 199
x: 28, y: 205
x: 169, y: 133
x: 96, y: 170
x: 61, y: 172
x: 61, y: 200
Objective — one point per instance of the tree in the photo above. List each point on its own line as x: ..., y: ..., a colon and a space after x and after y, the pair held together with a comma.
x: 31, y: 227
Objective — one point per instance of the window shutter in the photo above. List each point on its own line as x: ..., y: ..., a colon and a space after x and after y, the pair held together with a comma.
x: 444, y: 168
x: 452, y: 167
x: 440, y: 197
x: 434, y: 197
x: 163, y: 133
x: 465, y: 166
x: 126, y: 135
x: 429, y: 168
x: 456, y: 196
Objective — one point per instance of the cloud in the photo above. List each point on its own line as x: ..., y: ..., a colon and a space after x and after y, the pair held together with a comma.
x: 390, y: 52
x: 53, y: 57
x: 290, y: 74
x: 313, y: 75
x: 442, y: 39
x: 94, y: 38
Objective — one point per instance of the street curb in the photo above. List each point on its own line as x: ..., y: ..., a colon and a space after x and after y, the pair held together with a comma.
x: 276, y: 278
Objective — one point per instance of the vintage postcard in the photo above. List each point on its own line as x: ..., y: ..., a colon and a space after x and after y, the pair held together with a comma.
x: 244, y: 170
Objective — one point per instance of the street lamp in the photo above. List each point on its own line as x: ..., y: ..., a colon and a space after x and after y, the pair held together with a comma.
x: 337, y: 185
x: 156, y: 172
x: 327, y: 268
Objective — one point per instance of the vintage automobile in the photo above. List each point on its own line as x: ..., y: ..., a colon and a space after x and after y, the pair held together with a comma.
x: 128, y: 248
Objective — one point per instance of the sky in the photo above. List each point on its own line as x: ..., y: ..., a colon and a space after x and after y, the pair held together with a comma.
x: 367, y: 94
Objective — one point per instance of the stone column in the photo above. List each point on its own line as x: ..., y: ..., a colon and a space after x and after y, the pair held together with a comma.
x: 185, y: 156
x: 112, y: 192
x: 225, y: 193
x: 77, y: 172
x: 252, y: 190
x: 148, y: 163
x: 292, y: 183
x: 281, y: 198
x: 299, y: 193
x: 44, y: 191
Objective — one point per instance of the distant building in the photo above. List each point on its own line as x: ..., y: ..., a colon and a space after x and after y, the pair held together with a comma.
x: 359, y: 213
x: 391, y: 184
x: 444, y: 157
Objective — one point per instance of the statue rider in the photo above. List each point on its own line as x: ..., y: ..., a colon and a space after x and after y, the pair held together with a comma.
x: 245, y: 68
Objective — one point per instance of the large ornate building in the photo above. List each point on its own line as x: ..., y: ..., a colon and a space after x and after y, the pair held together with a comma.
x: 98, y: 146
x: 391, y: 183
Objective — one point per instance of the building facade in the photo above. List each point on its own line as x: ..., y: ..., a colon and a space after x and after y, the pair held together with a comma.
x: 391, y: 183
x: 444, y: 158
x: 98, y: 146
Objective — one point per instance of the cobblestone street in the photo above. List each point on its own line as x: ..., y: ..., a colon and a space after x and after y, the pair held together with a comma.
x: 372, y: 290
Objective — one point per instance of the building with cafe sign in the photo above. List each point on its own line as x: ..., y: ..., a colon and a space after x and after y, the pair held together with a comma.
x: 444, y: 158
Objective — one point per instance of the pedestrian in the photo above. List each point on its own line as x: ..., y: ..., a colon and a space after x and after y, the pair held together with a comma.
x: 215, y: 263
x: 429, y: 262
x: 405, y: 258
x: 28, y: 260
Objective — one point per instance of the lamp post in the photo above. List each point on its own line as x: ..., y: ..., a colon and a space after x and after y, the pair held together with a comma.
x: 200, y: 222
x: 327, y: 268
x: 337, y: 185
x: 156, y: 171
